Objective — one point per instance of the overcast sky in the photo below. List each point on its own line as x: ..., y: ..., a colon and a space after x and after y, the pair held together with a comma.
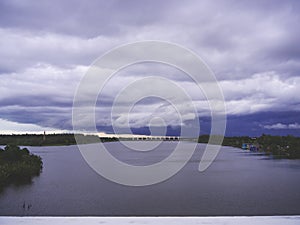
x: 251, y: 46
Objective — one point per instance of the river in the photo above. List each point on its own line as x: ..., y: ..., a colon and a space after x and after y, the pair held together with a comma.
x: 237, y: 183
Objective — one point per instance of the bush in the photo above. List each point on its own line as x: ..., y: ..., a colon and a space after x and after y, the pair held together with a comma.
x: 18, y: 165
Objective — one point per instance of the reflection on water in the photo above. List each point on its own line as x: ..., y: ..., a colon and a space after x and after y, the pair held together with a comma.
x: 237, y: 183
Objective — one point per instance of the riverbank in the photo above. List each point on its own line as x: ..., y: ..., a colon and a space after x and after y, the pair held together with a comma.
x: 51, y: 139
x: 278, y: 146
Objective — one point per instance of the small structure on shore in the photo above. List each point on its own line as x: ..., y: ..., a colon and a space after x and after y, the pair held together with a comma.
x: 250, y: 146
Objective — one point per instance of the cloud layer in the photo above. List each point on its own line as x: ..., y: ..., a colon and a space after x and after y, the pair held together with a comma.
x: 47, y: 47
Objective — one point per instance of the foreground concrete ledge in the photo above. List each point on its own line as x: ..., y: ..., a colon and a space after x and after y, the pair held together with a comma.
x: 274, y: 220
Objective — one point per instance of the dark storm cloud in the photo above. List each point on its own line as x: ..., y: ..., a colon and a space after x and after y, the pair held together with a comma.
x: 59, y: 118
x: 252, y: 46
x: 34, y: 100
x: 246, y: 37
x: 236, y: 38
x: 256, y: 124
x: 85, y: 19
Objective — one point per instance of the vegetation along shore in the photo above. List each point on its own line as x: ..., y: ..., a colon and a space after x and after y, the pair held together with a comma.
x: 51, y: 139
x: 18, y: 166
x: 277, y: 146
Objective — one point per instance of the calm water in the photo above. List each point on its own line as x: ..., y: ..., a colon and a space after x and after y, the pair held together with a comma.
x: 237, y: 183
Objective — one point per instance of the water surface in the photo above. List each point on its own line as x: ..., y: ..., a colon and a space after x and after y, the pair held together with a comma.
x: 237, y: 183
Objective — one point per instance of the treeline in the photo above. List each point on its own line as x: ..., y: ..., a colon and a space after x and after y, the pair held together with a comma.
x: 18, y: 166
x: 288, y: 146
x: 228, y: 141
x: 278, y: 146
x: 50, y: 139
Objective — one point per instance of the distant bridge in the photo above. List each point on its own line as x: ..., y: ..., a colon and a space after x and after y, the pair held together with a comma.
x: 134, y: 137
